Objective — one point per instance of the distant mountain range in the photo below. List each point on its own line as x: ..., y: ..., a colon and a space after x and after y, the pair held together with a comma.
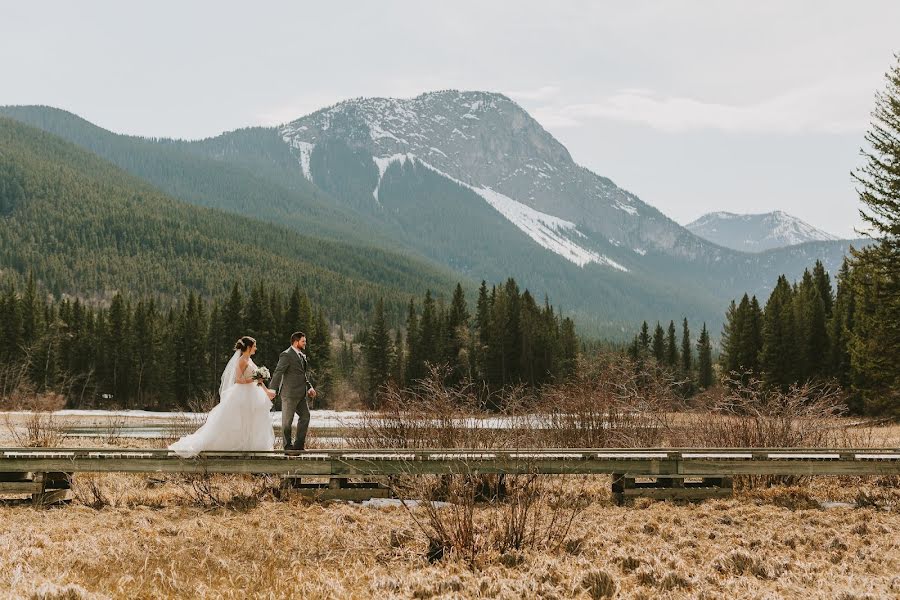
x: 468, y: 181
x: 756, y: 233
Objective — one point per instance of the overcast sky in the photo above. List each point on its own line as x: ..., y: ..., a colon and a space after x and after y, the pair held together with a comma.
x: 694, y: 106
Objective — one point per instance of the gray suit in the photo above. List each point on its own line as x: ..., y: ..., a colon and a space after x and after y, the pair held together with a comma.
x: 291, y: 382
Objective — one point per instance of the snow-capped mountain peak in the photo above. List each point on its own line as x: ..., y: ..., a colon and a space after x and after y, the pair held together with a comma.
x: 756, y: 232
x: 486, y: 141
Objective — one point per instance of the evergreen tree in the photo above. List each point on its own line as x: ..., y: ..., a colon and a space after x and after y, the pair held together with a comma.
x: 704, y: 360
x: 671, y: 347
x: 840, y: 327
x: 659, y: 344
x: 777, y: 359
x: 233, y: 318
x: 482, y: 333
x: 415, y: 362
x: 377, y: 351
x: 457, y: 337
x: 874, y: 343
x: 397, y: 360
x: 644, y: 338
x: 686, y: 359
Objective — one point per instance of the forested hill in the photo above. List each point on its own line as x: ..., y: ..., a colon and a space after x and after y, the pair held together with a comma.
x: 249, y: 172
x: 88, y: 229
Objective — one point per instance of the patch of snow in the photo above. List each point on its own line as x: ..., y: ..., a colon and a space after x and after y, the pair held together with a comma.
x: 437, y: 150
x: 470, y: 116
x: 640, y: 251
x: 383, y: 162
x: 622, y: 206
x: 304, y: 148
x: 546, y: 230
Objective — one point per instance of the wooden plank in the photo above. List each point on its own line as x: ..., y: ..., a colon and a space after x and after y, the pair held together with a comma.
x: 23, y: 487
x: 678, y: 493
x: 351, y: 494
x: 788, y: 467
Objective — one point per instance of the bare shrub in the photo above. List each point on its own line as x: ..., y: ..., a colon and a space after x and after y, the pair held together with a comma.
x: 434, y: 415
x: 233, y: 492
x: 38, y: 430
x: 188, y: 422
x: 521, y: 512
x: 89, y: 491
x: 752, y: 415
x: 613, y: 402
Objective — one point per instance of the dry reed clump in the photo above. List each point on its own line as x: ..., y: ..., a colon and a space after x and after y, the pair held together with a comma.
x: 748, y: 414
x: 599, y: 584
x: 753, y: 415
x: 482, y: 519
x: 434, y: 415
x: 613, y: 402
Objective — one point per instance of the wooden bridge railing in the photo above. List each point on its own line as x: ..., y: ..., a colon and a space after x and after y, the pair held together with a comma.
x: 669, y: 465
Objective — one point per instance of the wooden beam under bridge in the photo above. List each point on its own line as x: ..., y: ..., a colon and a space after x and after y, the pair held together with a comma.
x: 651, y: 462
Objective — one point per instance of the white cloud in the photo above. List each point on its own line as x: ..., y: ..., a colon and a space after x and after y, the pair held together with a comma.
x: 836, y: 106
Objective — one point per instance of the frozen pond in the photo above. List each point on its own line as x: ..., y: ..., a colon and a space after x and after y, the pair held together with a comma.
x: 152, y: 424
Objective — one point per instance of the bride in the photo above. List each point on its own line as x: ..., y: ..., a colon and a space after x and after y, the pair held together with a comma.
x: 241, y: 420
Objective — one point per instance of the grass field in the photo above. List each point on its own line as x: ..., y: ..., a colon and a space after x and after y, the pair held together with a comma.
x: 135, y: 536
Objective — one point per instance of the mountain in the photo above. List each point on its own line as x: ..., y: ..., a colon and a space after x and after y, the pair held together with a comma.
x: 756, y: 233
x: 466, y: 180
x: 86, y: 228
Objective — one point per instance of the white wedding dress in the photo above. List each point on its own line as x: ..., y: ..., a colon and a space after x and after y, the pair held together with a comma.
x: 239, y: 422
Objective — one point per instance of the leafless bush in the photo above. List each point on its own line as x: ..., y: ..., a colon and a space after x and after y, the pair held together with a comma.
x: 15, y: 386
x: 613, y: 402
x: 520, y: 512
x: 751, y: 415
x: 37, y: 429
x: 433, y: 415
x: 186, y: 423
x: 235, y: 492
x: 89, y: 490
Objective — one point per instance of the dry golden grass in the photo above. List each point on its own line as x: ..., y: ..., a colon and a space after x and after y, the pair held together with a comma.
x: 158, y: 541
x: 166, y: 536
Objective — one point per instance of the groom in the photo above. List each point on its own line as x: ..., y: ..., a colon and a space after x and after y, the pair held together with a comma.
x: 291, y: 382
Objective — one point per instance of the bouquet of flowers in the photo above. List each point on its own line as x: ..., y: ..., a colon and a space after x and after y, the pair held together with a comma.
x: 261, y: 374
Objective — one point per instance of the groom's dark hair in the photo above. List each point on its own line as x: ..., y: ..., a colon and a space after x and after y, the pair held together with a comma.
x: 296, y: 336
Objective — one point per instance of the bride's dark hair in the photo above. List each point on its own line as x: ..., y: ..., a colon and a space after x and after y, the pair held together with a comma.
x: 244, y: 343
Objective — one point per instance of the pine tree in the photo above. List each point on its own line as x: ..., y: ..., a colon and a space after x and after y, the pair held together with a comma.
x: 671, y: 347
x: 377, y: 351
x: 777, y: 359
x: 397, y: 360
x: 840, y: 327
x: 686, y: 359
x: 879, y: 178
x: 482, y: 333
x: 659, y: 344
x: 732, y: 340
x: 874, y: 343
x: 457, y: 337
x: 233, y: 318
x: 415, y: 363
x: 644, y: 338
x: 704, y: 360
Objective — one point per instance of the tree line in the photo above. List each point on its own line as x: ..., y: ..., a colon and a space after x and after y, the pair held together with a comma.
x: 692, y: 372
x: 850, y: 335
x: 509, y: 340
x: 137, y: 353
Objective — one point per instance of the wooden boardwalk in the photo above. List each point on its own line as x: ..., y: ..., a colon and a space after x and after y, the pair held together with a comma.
x: 670, y: 466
